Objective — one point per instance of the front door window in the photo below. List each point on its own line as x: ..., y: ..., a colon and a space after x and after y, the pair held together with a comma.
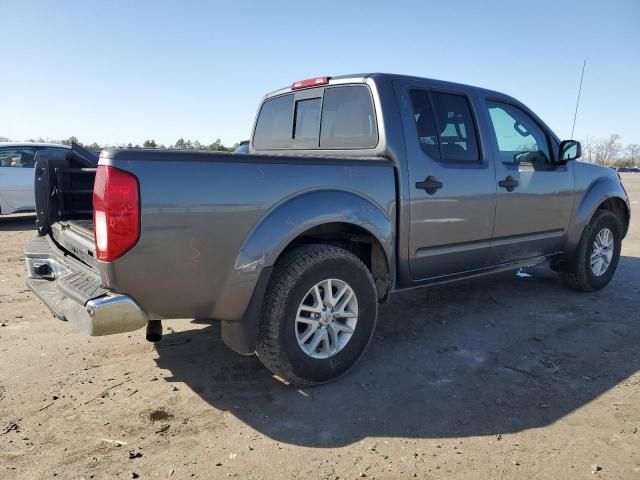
x: 519, y: 138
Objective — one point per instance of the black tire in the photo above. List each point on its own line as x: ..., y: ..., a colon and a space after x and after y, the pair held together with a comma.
x: 293, y: 276
x: 579, y: 274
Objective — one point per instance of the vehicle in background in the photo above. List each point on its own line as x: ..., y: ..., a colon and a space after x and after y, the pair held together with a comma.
x: 628, y: 169
x: 17, y: 162
x: 355, y: 187
x: 243, y: 147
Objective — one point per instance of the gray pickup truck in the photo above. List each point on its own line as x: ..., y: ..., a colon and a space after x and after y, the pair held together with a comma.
x: 354, y: 187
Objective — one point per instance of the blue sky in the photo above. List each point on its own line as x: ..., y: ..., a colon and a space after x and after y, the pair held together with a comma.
x: 124, y: 71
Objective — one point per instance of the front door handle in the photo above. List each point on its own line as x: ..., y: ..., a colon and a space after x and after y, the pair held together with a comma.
x: 509, y: 183
x: 430, y: 185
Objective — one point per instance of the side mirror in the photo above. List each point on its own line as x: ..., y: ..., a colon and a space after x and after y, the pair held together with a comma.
x: 569, y: 150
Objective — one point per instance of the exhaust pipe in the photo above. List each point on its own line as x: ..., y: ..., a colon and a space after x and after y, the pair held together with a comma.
x: 154, y: 331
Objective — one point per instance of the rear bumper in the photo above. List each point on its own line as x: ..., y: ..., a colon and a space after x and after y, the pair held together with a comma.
x: 73, y: 292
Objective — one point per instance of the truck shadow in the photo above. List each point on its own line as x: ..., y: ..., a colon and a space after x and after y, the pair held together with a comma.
x: 483, y: 357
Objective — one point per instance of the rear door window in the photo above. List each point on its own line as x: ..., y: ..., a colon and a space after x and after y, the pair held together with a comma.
x: 425, y: 123
x: 457, y: 130
x: 445, y: 127
x: 348, y: 119
x: 17, y: 157
x: 275, y: 123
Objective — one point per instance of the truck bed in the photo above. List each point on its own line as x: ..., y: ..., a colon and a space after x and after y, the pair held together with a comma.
x: 207, y: 219
x: 76, y: 237
x: 85, y: 226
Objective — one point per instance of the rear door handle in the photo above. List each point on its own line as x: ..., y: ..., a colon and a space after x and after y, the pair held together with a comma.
x: 509, y: 183
x: 430, y: 185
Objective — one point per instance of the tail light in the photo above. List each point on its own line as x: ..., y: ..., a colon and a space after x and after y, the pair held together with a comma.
x: 116, y: 212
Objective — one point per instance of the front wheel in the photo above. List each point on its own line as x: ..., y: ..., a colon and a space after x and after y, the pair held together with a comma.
x: 597, y: 255
x: 319, y: 315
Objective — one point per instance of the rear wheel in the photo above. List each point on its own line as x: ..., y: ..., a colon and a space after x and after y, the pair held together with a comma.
x: 319, y: 314
x: 597, y: 255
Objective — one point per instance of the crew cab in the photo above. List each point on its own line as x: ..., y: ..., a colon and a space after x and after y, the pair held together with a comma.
x: 354, y: 187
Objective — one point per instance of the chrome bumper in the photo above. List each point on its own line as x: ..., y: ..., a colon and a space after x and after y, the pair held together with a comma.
x: 60, y: 283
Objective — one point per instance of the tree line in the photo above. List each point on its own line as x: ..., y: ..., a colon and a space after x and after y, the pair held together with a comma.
x: 181, y: 144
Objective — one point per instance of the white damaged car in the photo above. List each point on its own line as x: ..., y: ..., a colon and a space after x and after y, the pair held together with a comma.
x: 17, y: 161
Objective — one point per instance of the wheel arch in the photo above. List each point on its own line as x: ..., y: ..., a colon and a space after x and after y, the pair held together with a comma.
x: 619, y: 207
x: 357, y: 240
x: 604, y: 193
x: 335, y: 217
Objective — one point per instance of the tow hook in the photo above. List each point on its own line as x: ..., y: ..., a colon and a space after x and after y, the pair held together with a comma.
x: 154, y: 331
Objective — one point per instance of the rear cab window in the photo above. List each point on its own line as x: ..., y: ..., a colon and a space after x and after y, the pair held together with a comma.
x: 329, y: 118
x: 274, y: 126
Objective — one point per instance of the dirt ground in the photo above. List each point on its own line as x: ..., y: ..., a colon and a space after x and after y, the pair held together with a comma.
x: 499, y: 377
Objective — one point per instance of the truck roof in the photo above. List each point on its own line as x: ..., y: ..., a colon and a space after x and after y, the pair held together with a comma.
x: 362, y: 78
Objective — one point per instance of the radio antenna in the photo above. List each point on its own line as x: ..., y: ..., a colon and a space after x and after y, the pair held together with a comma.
x: 578, y: 101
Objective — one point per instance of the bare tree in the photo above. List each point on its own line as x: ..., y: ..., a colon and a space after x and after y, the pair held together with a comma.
x: 588, y: 151
x: 608, y: 150
x: 632, y: 152
x: 71, y: 140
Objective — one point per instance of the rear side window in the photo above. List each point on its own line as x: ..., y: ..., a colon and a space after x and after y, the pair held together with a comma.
x: 457, y: 130
x: 425, y: 123
x: 445, y: 126
x: 274, y: 126
x: 17, y: 157
x: 338, y: 118
x: 348, y: 119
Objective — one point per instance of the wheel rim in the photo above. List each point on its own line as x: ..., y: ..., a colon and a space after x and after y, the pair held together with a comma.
x: 602, y: 252
x: 326, y: 318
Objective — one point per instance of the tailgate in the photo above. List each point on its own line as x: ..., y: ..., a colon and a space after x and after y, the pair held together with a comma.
x: 64, y: 187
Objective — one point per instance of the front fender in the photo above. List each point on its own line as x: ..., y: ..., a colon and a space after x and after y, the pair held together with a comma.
x: 287, y: 220
x: 600, y: 190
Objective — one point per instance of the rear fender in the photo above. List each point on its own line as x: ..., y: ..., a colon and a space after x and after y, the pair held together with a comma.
x: 278, y: 228
x: 286, y: 221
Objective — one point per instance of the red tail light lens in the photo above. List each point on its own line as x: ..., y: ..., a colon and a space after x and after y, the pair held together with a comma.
x: 310, y: 82
x: 116, y: 212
